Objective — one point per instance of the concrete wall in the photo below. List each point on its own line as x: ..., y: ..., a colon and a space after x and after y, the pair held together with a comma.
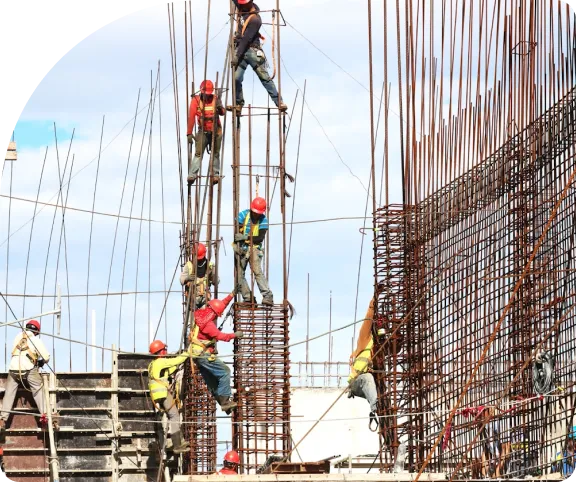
x: 330, y: 438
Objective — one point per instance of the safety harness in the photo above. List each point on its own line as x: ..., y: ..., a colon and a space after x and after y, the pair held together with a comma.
x: 200, y: 347
x: 23, y: 346
x: 162, y: 384
x: 253, y: 13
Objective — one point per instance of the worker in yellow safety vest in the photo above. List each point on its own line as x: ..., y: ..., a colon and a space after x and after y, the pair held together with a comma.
x: 202, y: 276
x: 164, y: 392
x: 361, y: 382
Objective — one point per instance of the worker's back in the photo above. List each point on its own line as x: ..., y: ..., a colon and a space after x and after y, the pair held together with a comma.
x: 26, y: 350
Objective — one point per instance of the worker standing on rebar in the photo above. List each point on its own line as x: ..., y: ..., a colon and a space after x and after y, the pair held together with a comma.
x: 164, y: 391
x: 206, y: 108
x: 28, y: 355
x: 249, y: 52
x: 361, y: 381
x: 203, y: 340
x: 231, y: 462
x: 202, y: 276
x: 248, y: 246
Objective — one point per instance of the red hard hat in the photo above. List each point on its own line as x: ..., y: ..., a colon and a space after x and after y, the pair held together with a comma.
x: 244, y: 2
x: 34, y: 323
x: 201, y: 251
x: 258, y: 205
x: 217, y: 306
x: 207, y: 87
x: 157, y: 346
x: 232, y: 457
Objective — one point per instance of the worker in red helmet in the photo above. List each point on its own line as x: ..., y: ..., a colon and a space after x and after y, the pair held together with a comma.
x: 249, y: 249
x: 203, y: 338
x: 202, y: 276
x: 163, y: 388
x: 249, y: 52
x: 231, y: 462
x: 206, y: 109
x: 29, y: 354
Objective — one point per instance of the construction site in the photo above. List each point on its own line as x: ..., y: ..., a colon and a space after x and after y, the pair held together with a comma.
x: 448, y: 286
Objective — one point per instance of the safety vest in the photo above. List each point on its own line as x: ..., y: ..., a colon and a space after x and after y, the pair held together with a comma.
x: 206, y: 113
x: 23, y: 346
x: 158, y: 382
x: 254, y: 227
x: 363, y: 362
x: 199, y: 347
x: 201, y: 283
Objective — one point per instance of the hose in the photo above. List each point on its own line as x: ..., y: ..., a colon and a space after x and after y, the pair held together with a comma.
x: 542, y: 372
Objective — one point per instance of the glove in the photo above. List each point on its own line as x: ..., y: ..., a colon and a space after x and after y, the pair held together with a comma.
x: 239, y: 334
x: 40, y: 362
x: 234, y: 61
x: 238, y: 237
x: 190, y: 138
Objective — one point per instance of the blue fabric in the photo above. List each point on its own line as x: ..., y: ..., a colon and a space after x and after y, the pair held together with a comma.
x: 242, y: 217
x: 216, y: 375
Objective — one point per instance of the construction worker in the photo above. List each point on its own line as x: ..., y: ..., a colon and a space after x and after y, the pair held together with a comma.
x: 28, y: 355
x: 565, y: 459
x: 206, y: 108
x: 202, y: 276
x: 231, y: 462
x: 361, y: 382
x: 203, y: 340
x: 249, y: 52
x: 248, y: 246
x: 164, y: 393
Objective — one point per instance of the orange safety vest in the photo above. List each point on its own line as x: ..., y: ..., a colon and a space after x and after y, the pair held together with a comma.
x: 206, y: 114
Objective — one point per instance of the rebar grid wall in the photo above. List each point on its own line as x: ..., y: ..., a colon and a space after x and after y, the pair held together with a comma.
x: 486, y: 110
x: 262, y: 383
x: 447, y: 269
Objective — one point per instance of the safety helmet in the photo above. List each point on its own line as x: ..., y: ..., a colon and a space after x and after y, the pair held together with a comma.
x: 157, y: 346
x: 33, y: 324
x: 258, y: 205
x: 244, y: 2
x: 201, y: 251
x: 217, y: 306
x: 232, y: 457
x: 207, y: 87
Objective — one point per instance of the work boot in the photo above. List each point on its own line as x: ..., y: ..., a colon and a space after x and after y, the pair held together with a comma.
x: 268, y: 301
x: 216, y: 180
x: 230, y: 108
x: 282, y: 107
x: 191, y: 179
x: 179, y: 446
x: 226, y: 404
x: 249, y: 298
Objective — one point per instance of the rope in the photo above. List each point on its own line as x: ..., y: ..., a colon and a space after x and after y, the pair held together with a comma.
x: 542, y: 372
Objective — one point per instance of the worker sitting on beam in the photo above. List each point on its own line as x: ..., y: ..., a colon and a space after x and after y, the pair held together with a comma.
x: 28, y: 355
x: 164, y: 391
x: 202, y: 276
x: 203, y: 338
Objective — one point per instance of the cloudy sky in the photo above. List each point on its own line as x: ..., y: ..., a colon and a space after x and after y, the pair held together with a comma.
x: 97, y: 84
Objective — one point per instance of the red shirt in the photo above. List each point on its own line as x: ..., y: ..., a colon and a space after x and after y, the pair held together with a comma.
x: 205, y: 321
x: 225, y: 471
x: 195, y: 112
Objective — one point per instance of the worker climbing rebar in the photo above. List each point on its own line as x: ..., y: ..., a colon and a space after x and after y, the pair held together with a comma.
x: 29, y: 354
x: 249, y: 52
x: 361, y: 381
x: 164, y: 391
x: 202, y: 276
x: 206, y: 108
x: 231, y: 462
x: 203, y: 340
x: 248, y: 247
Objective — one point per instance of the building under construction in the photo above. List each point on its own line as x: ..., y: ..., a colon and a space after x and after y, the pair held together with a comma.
x: 471, y: 194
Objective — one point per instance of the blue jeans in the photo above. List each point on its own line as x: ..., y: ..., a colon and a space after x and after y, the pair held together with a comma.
x: 257, y: 63
x: 216, y: 375
x: 364, y: 386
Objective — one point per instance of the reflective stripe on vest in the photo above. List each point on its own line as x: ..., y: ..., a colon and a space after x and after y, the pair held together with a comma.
x: 363, y: 362
x: 254, y: 227
x: 206, y: 112
x: 24, y: 347
x: 158, y: 386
